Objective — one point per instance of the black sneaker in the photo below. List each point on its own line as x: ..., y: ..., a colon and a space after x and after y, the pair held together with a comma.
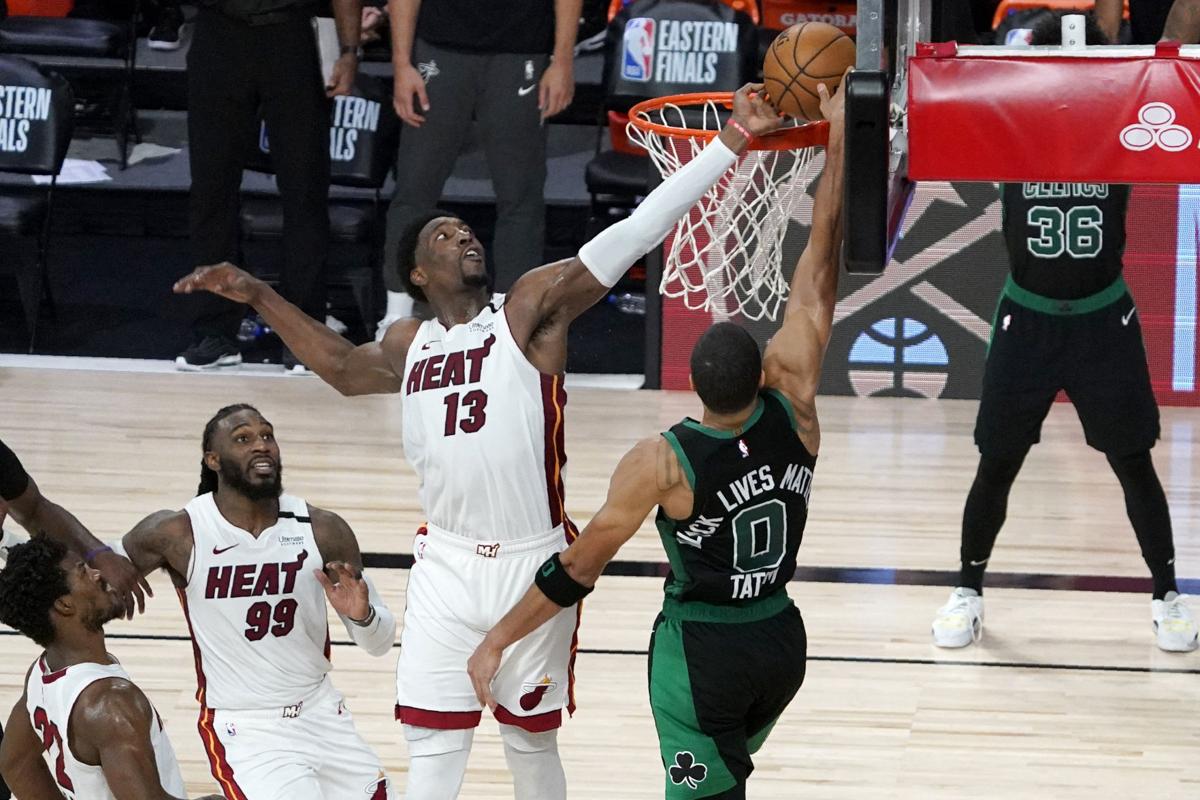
x: 292, y: 364
x: 211, y: 352
x: 165, y: 33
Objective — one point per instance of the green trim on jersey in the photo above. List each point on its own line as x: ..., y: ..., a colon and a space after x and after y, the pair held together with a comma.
x: 684, y: 461
x: 1060, y: 308
x: 720, y: 434
x: 666, y: 530
x: 699, y: 611
x: 787, y: 406
x: 674, y: 710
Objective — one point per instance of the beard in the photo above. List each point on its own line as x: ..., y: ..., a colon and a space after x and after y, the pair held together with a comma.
x: 98, y: 617
x: 477, y: 280
x: 239, y: 481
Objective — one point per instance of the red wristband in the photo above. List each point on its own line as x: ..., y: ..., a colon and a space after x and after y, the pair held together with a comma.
x: 740, y: 128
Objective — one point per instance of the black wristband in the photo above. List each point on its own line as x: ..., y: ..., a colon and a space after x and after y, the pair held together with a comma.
x: 555, y: 583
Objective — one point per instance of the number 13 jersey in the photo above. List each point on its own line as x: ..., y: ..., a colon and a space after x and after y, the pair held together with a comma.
x: 255, y: 609
x: 483, y: 428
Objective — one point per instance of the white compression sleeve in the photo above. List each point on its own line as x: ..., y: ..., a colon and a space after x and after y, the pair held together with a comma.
x: 377, y: 637
x: 615, y: 248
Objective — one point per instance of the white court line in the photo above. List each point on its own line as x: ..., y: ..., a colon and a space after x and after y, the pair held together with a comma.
x: 579, y: 380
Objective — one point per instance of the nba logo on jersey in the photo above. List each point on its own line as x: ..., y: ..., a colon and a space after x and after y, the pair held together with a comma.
x: 638, y: 62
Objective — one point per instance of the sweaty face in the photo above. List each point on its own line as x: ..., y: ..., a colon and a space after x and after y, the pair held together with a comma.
x: 249, y: 455
x: 451, y: 257
x: 96, y: 600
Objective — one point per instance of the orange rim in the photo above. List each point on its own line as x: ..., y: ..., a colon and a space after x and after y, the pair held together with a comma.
x: 810, y: 134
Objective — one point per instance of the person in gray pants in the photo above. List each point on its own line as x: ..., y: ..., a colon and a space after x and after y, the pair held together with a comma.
x: 507, y: 66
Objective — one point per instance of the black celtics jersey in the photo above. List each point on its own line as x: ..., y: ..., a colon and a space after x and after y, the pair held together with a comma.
x: 1065, y: 240
x: 751, y: 502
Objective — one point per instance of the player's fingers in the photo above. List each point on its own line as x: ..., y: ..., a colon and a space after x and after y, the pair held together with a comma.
x: 145, y: 584
x: 487, y: 699
x: 323, y: 579
x: 423, y: 97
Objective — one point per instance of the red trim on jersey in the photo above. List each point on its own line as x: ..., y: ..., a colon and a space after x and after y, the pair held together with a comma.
x: 49, y: 677
x: 538, y: 723
x: 572, y: 535
x: 440, y: 720
x: 213, y: 748
x: 217, y: 760
x: 554, y: 400
x: 328, y: 645
x: 380, y: 790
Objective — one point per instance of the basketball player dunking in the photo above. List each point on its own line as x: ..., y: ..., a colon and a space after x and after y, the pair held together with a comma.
x: 246, y: 560
x: 82, y: 729
x: 728, y: 650
x: 483, y: 428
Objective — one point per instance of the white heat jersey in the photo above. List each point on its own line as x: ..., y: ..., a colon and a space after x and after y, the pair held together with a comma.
x: 255, y: 609
x: 50, y: 697
x: 483, y: 428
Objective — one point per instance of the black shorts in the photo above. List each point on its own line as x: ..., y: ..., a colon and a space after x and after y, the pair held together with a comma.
x: 716, y: 690
x: 1097, y: 358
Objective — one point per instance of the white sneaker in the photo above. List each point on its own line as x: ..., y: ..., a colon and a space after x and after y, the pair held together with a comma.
x: 1174, y: 625
x: 959, y: 622
x: 384, y: 324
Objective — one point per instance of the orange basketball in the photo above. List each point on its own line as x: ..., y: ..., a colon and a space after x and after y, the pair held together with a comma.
x: 806, y: 54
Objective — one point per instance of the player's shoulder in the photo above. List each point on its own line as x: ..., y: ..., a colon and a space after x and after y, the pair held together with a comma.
x: 325, y: 521
x: 167, y: 522
x: 109, y: 702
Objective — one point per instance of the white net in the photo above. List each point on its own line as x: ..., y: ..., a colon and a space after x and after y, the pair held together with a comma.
x: 726, y: 255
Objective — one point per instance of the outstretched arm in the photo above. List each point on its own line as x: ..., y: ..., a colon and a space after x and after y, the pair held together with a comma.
x: 369, y: 622
x: 792, y: 361
x: 111, y: 725
x: 36, y: 513
x: 546, y: 300
x: 633, y: 491
x: 21, y: 763
x: 372, y: 368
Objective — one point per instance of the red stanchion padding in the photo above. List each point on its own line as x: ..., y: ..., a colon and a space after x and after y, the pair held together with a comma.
x: 1078, y: 120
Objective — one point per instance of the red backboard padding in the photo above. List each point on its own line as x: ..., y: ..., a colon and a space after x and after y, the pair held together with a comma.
x: 1062, y: 119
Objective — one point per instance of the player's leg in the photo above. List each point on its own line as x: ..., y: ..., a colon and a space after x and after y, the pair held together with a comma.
x: 434, y: 696
x: 782, y: 659
x: 427, y: 154
x: 514, y: 140
x: 709, y: 759
x: 1021, y: 377
x: 348, y: 767
x: 1113, y: 396
x: 534, y: 682
x: 256, y: 758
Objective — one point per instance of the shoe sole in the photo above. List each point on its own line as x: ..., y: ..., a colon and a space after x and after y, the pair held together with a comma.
x: 182, y: 365
x: 965, y: 639
x: 1169, y: 647
x: 154, y: 45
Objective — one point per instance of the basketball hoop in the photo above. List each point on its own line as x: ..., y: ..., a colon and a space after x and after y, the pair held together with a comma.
x: 726, y: 255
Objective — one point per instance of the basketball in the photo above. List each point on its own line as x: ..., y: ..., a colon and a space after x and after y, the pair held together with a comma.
x: 801, y: 57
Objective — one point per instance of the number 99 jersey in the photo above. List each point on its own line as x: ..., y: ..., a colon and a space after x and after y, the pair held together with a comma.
x: 483, y: 428
x: 751, y: 493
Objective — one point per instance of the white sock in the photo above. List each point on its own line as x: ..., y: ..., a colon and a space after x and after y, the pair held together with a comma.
x: 533, y: 760
x: 437, y: 762
x: 399, y: 306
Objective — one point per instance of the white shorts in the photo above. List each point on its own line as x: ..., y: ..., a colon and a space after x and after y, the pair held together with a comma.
x: 310, y: 750
x: 457, y: 590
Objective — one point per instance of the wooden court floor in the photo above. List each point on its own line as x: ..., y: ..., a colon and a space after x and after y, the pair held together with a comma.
x: 1066, y: 697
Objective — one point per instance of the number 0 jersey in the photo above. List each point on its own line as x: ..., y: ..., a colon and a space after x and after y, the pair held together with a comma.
x: 255, y: 609
x: 50, y: 698
x: 483, y: 428
x: 751, y: 493
x: 1065, y: 240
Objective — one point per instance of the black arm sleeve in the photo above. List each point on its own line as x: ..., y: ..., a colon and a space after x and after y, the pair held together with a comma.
x: 13, y: 478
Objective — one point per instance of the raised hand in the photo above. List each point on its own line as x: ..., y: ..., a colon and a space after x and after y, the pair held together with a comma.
x: 753, y: 112
x: 348, y: 594
x: 833, y: 106
x: 223, y: 279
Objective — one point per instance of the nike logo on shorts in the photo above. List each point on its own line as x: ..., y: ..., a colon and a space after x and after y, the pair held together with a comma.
x: 524, y: 90
x: 978, y: 563
x: 1125, y: 319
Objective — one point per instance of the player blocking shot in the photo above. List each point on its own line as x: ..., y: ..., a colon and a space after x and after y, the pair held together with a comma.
x: 483, y: 405
x: 82, y: 729
x: 732, y: 489
x: 253, y: 568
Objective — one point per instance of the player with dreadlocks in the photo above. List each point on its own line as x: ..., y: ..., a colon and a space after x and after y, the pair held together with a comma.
x: 246, y: 560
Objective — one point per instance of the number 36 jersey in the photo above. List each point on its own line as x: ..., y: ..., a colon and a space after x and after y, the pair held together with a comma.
x: 483, y: 428
x: 750, y: 506
x: 255, y: 609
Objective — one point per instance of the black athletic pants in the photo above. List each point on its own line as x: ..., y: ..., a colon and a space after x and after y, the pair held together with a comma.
x: 234, y: 69
x: 499, y: 91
